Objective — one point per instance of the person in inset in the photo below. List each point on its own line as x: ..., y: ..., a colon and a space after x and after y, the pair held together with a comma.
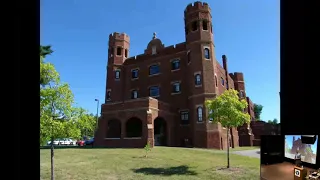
x: 297, y: 158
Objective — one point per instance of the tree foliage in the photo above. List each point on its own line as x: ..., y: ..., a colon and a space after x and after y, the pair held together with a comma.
x: 58, y: 117
x: 48, y: 72
x: 274, y: 121
x: 228, y: 110
x: 257, y: 111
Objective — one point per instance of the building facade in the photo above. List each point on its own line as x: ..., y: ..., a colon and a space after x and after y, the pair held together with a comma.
x: 158, y: 97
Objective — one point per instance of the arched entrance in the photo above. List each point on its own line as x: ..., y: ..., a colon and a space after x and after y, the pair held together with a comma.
x: 160, y: 132
x: 134, y: 128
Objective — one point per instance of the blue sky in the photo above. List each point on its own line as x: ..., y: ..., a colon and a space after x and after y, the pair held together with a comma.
x: 247, y: 31
x: 289, y: 139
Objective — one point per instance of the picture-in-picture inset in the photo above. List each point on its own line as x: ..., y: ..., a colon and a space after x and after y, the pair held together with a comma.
x: 290, y: 157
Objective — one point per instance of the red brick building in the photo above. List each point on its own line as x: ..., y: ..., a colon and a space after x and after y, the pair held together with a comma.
x: 159, y: 96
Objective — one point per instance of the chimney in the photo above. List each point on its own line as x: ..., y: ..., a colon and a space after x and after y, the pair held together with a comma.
x: 224, y: 62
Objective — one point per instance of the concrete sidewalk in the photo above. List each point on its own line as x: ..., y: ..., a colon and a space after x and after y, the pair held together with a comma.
x: 250, y: 153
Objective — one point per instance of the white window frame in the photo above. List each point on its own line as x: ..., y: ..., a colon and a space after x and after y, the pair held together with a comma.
x: 199, y: 115
x: 115, y: 74
x: 204, y: 52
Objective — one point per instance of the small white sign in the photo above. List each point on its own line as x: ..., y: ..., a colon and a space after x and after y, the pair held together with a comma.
x: 297, y: 172
x: 150, y: 126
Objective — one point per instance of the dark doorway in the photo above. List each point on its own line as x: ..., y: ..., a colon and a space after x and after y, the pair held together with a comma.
x: 114, y: 128
x: 160, y: 132
x: 221, y: 144
x: 134, y: 127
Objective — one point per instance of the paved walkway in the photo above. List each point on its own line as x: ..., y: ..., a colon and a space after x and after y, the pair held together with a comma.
x: 251, y: 153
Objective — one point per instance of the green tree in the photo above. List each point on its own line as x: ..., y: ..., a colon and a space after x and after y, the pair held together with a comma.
x: 48, y: 72
x: 86, y: 122
x: 257, y: 111
x: 56, y: 100
x: 274, y: 121
x: 228, y: 110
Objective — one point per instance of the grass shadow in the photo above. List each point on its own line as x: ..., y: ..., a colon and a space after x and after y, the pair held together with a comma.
x: 178, y: 170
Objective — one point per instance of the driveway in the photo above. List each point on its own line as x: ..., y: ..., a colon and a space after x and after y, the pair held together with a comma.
x: 250, y: 153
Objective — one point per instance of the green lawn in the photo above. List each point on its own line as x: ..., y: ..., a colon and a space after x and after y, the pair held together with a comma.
x: 162, y: 163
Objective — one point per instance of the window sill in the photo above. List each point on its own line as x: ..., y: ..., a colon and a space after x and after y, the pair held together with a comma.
x: 175, y: 93
x: 198, y: 86
x: 111, y: 138
x: 207, y: 59
x: 134, y: 79
x: 117, y: 79
x: 184, y: 124
x: 154, y: 75
x: 132, y: 138
x: 155, y: 96
x: 173, y: 70
x: 200, y: 122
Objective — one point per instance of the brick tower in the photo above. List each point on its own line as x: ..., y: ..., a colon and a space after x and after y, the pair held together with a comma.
x: 118, y: 52
x: 202, y: 70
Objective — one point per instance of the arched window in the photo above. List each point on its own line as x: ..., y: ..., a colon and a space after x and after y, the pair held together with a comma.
x: 199, y: 113
x: 197, y: 79
x: 222, y: 81
x: 204, y: 25
x: 117, y: 74
x: 126, y: 53
x: 216, y: 80
x: 119, y: 51
x: 210, y: 114
x: 188, y: 57
x: 206, y: 53
x: 241, y: 94
x: 194, y: 26
x: 134, y: 94
x: 108, y: 95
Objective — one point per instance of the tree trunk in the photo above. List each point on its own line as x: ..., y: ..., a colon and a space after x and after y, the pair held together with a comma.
x: 228, y: 146
x: 52, y: 155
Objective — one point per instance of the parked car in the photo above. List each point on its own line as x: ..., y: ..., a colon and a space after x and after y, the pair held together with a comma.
x: 55, y: 142
x: 89, y: 142
x: 63, y: 141
x: 69, y: 141
x: 80, y: 142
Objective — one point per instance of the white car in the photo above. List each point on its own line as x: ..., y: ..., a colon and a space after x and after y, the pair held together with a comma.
x: 69, y: 141
x: 63, y: 141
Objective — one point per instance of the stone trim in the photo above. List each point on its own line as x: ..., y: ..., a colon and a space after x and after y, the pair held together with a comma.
x: 138, y: 99
x: 138, y: 109
x: 203, y: 94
